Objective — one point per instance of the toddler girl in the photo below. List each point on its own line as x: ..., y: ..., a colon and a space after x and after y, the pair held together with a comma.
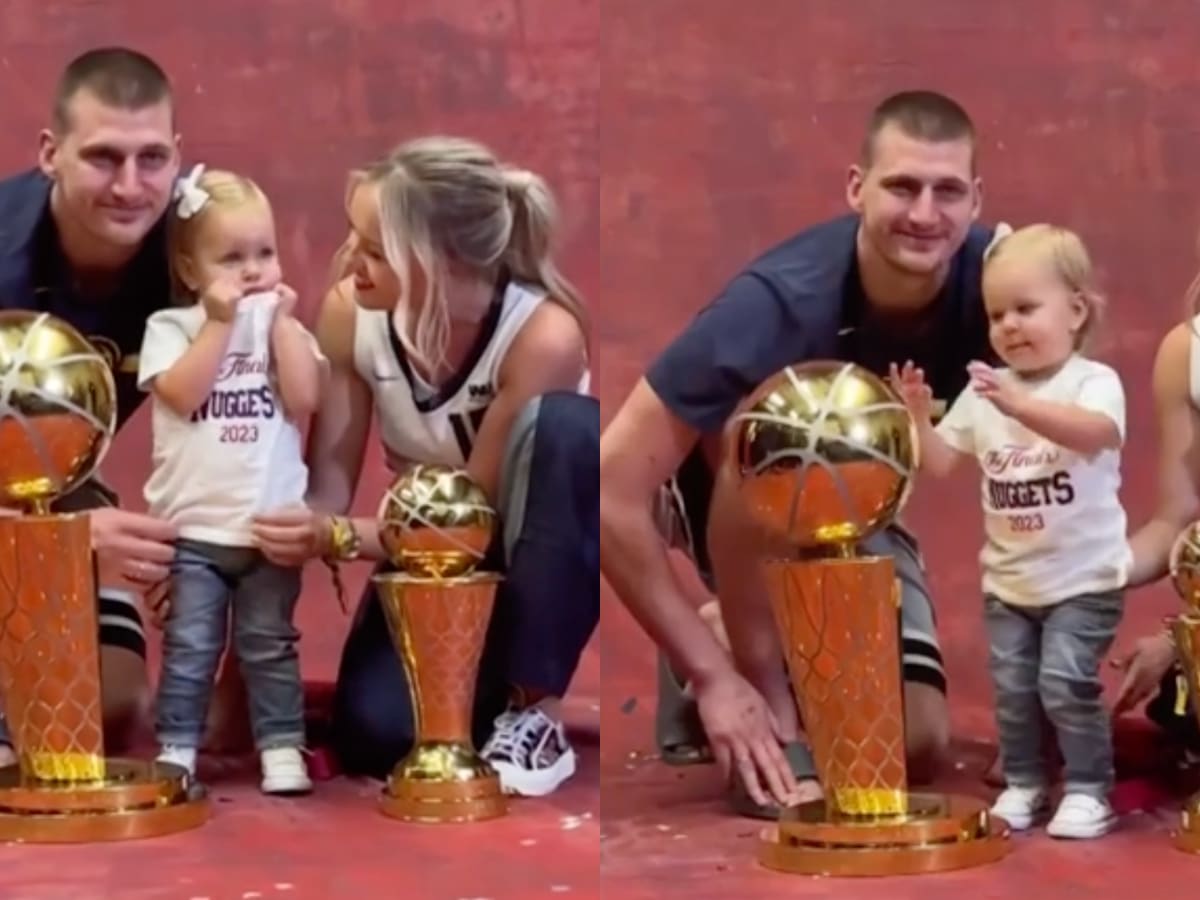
x: 1047, y: 430
x: 231, y: 372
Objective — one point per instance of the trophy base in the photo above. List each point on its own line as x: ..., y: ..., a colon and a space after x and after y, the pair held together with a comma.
x: 136, y: 799
x: 940, y: 833
x: 1187, y: 836
x: 439, y: 802
x: 442, y: 782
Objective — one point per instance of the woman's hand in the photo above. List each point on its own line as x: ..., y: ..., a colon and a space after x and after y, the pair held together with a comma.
x: 292, y: 535
x: 1144, y: 668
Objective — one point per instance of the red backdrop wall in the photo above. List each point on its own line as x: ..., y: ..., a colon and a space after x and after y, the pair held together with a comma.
x: 683, y: 136
x: 727, y: 126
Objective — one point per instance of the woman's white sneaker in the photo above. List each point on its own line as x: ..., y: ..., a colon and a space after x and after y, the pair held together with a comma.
x: 1082, y: 816
x: 530, y: 752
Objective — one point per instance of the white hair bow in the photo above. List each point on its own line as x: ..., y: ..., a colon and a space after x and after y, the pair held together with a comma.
x: 189, y: 196
x: 1003, y: 230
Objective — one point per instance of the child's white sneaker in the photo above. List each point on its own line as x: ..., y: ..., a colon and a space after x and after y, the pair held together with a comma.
x: 284, y: 771
x: 184, y: 757
x: 1021, y: 806
x: 1082, y: 816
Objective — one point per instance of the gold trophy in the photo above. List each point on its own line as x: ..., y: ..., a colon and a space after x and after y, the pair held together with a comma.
x: 436, y: 525
x: 57, y: 418
x: 1185, y: 631
x: 823, y: 454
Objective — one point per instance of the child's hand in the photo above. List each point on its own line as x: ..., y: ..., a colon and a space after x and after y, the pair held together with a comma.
x: 909, y: 383
x: 220, y: 300
x: 287, y: 300
x: 1005, y: 395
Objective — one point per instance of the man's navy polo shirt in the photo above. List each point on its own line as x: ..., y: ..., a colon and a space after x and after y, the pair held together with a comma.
x: 35, y: 276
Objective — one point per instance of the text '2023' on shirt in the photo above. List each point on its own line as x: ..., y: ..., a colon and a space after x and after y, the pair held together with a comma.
x: 238, y: 454
x: 1054, y: 522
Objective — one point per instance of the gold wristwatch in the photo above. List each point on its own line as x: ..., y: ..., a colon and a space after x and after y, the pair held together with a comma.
x: 344, y: 539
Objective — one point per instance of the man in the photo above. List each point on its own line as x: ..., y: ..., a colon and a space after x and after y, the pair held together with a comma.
x: 82, y: 237
x: 898, y: 279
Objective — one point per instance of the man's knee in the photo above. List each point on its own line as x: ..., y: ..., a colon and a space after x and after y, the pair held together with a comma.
x: 125, y: 696
x: 927, y: 731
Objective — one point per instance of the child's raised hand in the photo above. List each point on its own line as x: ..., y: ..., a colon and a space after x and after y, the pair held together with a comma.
x: 909, y: 383
x: 220, y: 299
x: 1005, y: 395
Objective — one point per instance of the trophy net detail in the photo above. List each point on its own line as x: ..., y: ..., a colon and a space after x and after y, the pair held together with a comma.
x: 49, y: 654
x: 839, y: 621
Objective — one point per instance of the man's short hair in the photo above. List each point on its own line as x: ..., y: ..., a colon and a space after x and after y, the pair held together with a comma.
x: 923, y: 115
x: 117, y: 76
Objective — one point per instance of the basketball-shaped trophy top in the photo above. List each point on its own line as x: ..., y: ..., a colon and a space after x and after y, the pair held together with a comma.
x: 824, y: 453
x: 1185, y: 566
x: 58, y: 408
x: 435, y: 522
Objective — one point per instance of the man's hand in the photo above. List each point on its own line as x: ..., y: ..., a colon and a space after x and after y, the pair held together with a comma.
x: 1144, y: 668
x: 743, y: 732
x: 157, y: 601
x: 131, y: 548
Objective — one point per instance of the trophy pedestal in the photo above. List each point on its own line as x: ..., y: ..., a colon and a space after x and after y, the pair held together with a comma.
x: 939, y: 833
x: 63, y: 789
x: 1187, y: 836
x: 1186, y: 631
x: 839, y: 622
x: 134, y: 799
x: 439, y: 626
x: 443, y: 783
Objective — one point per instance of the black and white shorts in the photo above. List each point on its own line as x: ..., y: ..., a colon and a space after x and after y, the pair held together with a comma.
x: 681, y: 514
x: 119, y: 616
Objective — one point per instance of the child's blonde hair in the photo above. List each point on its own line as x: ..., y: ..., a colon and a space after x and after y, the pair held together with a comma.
x: 196, y: 196
x: 1066, y: 254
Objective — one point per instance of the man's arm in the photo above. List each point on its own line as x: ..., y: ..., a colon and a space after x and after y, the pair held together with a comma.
x: 735, y: 343
x: 640, y: 449
x: 1178, y: 461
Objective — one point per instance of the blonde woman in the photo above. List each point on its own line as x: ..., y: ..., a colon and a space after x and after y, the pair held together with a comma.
x: 454, y: 325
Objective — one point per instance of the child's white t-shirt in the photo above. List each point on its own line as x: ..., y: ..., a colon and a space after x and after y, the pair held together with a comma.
x: 1054, y: 523
x: 238, y: 454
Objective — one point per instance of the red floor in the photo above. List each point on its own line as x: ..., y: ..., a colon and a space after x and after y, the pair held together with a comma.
x: 667, y: 833
x: 334, y: 843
